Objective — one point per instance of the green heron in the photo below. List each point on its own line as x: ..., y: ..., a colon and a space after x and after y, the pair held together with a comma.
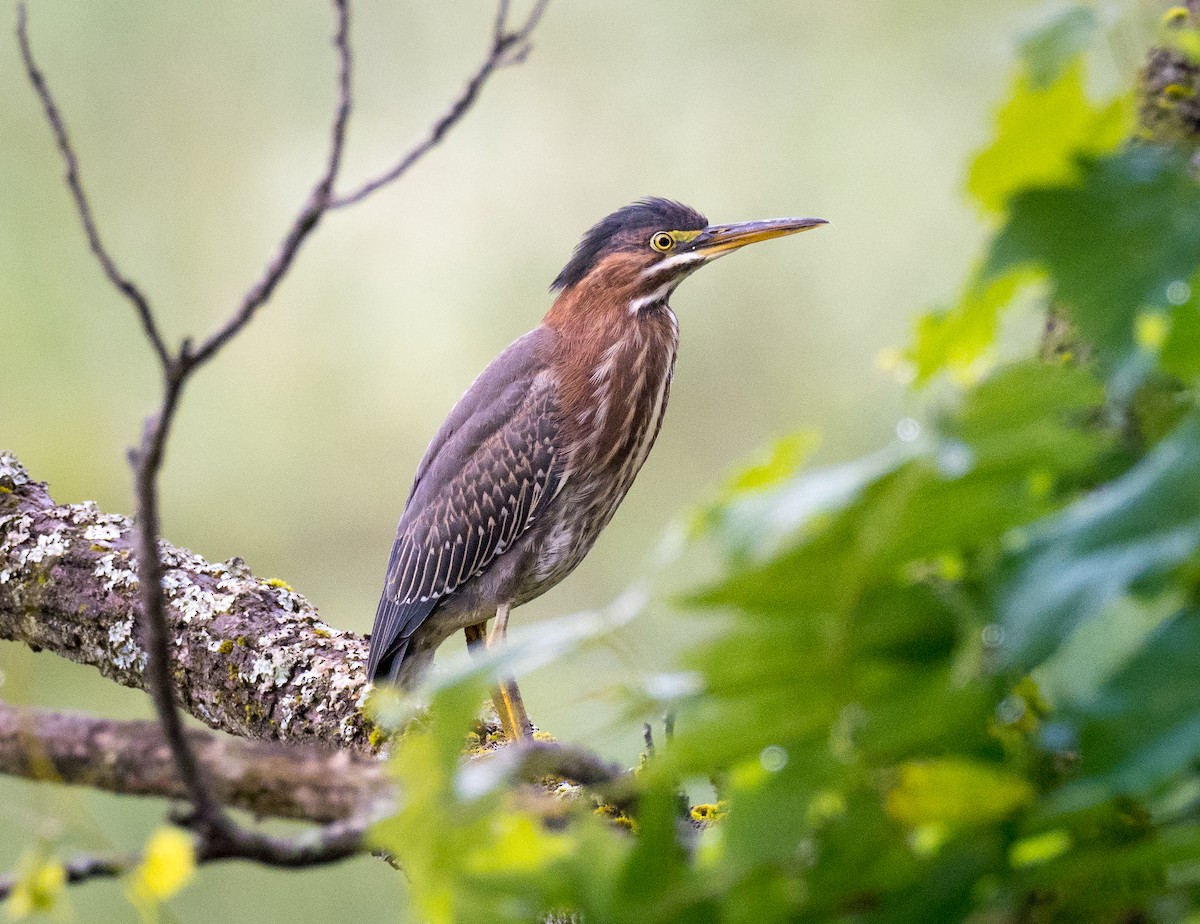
x: 532, y: 462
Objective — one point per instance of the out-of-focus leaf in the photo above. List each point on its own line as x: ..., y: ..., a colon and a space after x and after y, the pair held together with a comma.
x: 1143, y: 724
x: 1112, y: 243
x: 518, y: 845
x: 1041, y: 135
x: 1050, y: 48
x: 1099, y: 647
x: 1033, y: 417
x: 955, y: 792
x: 784, y: 457
x: 842, y: 619
x: 1040, y: 848
x: 958, y: 340
x: 1180, y: 355
x: 1133, y: 529
x: 168, y: 865
x: 756, y: 525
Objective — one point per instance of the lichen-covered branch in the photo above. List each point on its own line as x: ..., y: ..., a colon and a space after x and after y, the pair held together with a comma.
x: 208, y: 638
x: 251, y: 656
x: 132, y: 758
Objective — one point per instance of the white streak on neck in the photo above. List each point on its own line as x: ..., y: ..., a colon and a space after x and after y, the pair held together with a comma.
x: 658, y: 295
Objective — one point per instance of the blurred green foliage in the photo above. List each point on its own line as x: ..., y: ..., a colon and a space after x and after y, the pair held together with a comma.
x: 954, y: 681
x: 949, y: 681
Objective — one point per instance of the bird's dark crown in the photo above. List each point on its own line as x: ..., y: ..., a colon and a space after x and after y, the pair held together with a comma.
x: 628, y: 228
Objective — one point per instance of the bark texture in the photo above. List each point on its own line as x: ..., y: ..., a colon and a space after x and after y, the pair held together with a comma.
x: 132, y: 758
x: 251, y: 656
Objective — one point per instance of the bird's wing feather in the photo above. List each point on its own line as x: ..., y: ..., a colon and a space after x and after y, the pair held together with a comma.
x: 486, y: 477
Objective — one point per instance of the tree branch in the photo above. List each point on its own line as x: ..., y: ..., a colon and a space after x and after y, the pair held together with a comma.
x: 249, y: 656
x: 509, y: 46
x: 156, y: 668
x: 75, y: 184
x: 265, y: 778
x: 318, y: 202
x: 81, y: 869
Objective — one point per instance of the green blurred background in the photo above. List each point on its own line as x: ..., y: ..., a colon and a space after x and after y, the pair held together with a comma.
x: 200, y: 128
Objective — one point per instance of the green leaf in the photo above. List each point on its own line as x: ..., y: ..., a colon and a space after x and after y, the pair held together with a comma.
x: 957, y: 340
x: 39, y: 887
x: 756, y: 525
x: 1041, y: 135
x: 1112, y: 243
x: 1049, y: 49
x: 956, y: 792
x: 783, y: 458
x: 1180, y: 354
x: 1131, y: 530
x: 1143, y: 725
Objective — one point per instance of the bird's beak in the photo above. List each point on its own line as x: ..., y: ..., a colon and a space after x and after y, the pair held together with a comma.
x: 716, y: 240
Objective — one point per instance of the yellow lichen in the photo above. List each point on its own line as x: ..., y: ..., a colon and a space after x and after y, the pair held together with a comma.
x: 708, y: 812
x: 225, y: 647
x: 1175, y: 16
x: 616, y: 816
x: 276, y: 582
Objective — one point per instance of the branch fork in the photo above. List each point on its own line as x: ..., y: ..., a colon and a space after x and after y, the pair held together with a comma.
x: 218, y: 835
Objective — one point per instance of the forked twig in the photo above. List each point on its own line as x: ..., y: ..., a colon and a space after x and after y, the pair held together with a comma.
x: 508, y: 47
x: 119, y: 281
x: 218, y: 835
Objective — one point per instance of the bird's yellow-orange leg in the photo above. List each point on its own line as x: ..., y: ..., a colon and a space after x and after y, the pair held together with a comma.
x: 506, y: 697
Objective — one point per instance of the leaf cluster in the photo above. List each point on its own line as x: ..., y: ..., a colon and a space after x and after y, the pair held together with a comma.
x: 952, y: 681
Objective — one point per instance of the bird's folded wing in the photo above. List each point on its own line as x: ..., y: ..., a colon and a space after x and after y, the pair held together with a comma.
x: 479, y: 489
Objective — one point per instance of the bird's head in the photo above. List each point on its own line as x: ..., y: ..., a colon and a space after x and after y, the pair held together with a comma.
x: 639, y: 254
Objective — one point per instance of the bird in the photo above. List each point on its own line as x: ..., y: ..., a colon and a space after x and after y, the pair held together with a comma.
x: 534, y: 459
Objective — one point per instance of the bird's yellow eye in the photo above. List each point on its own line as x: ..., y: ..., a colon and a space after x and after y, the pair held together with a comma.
x: 662, y: 241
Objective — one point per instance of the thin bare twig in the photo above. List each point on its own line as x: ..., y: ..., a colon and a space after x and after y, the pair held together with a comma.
x: 218, y: 836
x: 81, y: 869
x: 119, y: 281
x: 320, y: 199
x: 332, y: 843
x: 508, y: 47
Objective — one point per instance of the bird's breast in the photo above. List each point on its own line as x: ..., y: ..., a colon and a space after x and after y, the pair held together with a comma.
x: 612, y: 415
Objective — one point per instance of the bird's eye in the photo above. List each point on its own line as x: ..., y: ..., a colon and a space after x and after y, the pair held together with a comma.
x: 662, y: 241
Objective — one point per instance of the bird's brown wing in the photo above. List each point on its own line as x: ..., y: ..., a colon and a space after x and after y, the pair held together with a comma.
x: 489, y: 473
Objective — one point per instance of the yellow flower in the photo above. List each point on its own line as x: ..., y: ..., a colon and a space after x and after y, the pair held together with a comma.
x: 38, y: 889
x: 169, y: 864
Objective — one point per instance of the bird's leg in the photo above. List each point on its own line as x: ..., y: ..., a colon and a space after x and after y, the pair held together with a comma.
x: 499, y: 633
x: 507, y: 697
x: 476, y: 635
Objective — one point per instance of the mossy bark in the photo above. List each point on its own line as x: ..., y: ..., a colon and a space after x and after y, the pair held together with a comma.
x: 251, y: 657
